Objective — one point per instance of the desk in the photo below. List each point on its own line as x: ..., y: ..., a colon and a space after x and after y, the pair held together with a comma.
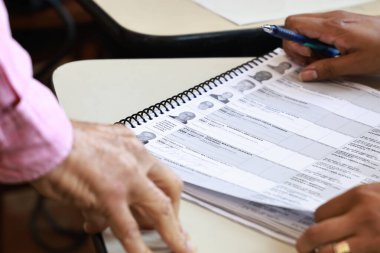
x: 182, y: 28
x: 108, y: 90
x: 178, y: 17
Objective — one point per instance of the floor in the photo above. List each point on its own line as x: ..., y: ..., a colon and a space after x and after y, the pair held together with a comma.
x: 41, y: 35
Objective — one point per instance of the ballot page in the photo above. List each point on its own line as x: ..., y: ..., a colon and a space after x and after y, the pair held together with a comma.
x: 257, y: 133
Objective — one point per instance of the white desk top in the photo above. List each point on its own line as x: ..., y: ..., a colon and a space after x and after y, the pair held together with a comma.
x: 175, y: 17
x: 108, y: 90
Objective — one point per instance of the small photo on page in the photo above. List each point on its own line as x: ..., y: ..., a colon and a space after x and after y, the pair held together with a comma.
x: 205, y: 105
x: 146, y: 136
x: 281, y: 68
x: 183, y: 117
x: 262, y: 76
x: 202, y: 106
x: 223, y: 97
x: 244, y: 85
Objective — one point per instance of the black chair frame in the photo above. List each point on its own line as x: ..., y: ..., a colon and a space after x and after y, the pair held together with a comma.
x: 234, y: 43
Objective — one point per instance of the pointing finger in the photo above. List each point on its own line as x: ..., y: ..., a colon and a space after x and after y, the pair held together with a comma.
x: 160, y: 208
x: 125, y: 228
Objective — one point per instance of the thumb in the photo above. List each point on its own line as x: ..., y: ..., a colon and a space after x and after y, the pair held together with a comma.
x: 329, y: 68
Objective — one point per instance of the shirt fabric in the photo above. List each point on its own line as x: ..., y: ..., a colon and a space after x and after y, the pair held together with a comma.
x: 35, y: 134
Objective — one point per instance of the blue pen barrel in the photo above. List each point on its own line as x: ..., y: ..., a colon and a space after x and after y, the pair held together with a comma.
x: 289, y: 35
x: 321, y: 47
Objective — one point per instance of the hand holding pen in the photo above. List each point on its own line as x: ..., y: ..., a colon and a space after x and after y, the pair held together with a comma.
x: 283, y: 33
x: 356, y: 38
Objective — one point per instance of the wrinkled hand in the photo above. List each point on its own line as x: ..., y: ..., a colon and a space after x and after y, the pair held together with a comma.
x: 115, y: 181
x: 356, y: 36
x: 353, y: 216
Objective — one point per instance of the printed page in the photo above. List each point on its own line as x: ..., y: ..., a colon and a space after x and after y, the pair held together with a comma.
x: 243, y: 12
x: 269, y: 137
x: 280, y: 223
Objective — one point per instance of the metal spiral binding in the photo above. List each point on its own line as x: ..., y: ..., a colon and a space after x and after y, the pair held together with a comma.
x: 159, y: 108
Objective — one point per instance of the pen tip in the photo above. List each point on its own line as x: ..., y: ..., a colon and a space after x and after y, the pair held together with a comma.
x: 267, y: 28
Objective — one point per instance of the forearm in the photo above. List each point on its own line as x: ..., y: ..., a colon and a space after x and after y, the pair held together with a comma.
x: 35, y: 134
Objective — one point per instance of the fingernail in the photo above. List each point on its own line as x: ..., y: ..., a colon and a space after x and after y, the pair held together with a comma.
x: 308, y: 75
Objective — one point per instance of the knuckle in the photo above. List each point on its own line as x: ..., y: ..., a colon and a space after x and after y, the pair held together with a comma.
x: 360, y: 194
x: 337, y: 13
x: 293, y: 21
x: 288, y: 45
x: 120, y: 128
x: 299, y: 246
x: 319, y: 214
x: 290, y: 21
x: 370, y: 217
x: 116, y: 189
x: 344, y: 43
x: 178, y: 184
x: 165, y: 208
x: 335, y: 23
x: 311, y: 235
x: 174, y: 181
x: 135, y: 146
x: 90, y: 204
x: 176, y: 187
x: 131, y: 166
x: 328, y: 70
x: 130, y: 232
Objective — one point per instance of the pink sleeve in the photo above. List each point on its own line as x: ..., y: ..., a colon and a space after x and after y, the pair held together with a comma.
x: 35, y: 134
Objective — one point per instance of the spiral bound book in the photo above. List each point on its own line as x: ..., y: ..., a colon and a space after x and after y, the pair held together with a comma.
x: 258, y: 146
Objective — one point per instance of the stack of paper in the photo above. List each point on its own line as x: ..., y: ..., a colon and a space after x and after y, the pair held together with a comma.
x: 262, y: 148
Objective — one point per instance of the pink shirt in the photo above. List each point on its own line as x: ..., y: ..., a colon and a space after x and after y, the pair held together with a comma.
x: 35, y: 134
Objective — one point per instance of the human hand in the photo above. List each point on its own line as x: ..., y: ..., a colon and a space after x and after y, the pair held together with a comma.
x: 113, y: 179
x: 356, y: 36
x: 353, y: 217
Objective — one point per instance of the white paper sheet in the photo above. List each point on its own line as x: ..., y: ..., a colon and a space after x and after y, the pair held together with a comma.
x: 262, y: 137
x: 244, y: 12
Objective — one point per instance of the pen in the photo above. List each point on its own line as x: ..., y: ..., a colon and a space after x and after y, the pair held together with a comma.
x: 286, y: 34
